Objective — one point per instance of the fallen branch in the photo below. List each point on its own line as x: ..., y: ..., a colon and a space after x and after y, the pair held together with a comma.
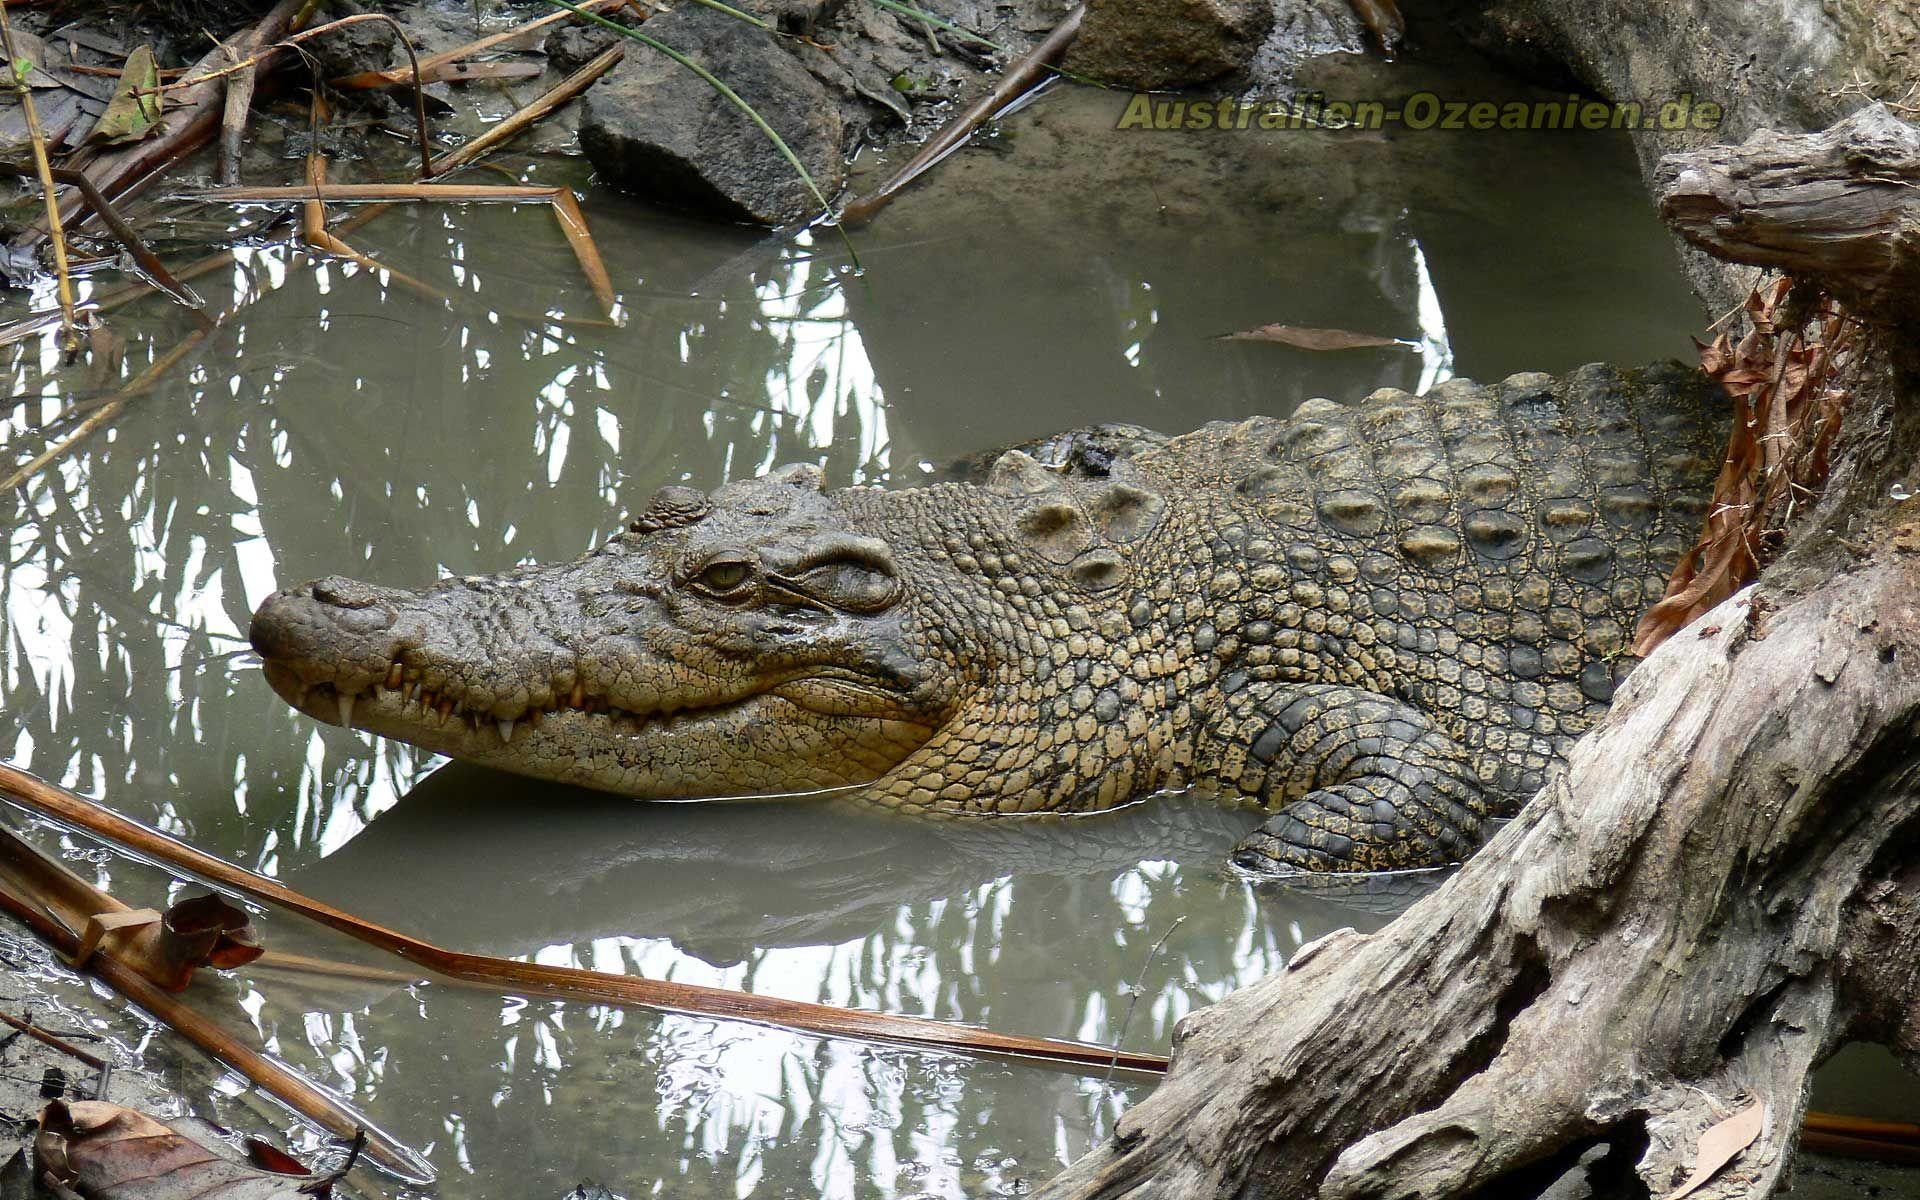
x: 1018, y: 79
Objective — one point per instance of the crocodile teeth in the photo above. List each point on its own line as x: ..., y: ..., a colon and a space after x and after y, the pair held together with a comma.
x: 578, y: 699
x: 506, y: 729
x: 395, y: 674
x: 345, y: 700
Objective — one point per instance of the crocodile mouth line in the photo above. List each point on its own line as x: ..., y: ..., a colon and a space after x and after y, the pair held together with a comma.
x: 445, y: 710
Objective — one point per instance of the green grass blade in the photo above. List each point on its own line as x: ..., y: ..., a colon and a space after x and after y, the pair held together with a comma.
x: 939, y: 23
x: 736, y: 14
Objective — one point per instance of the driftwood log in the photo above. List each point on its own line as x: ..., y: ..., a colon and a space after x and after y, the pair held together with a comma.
x: 1722, y: 889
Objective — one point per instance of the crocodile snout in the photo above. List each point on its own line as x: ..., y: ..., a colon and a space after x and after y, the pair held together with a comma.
x: 333, y: 623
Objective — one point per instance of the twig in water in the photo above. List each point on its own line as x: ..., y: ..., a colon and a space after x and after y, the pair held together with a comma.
x: 46, y: 1038
x: 1133, y: 1000
x: 55, y: 230
x: 571, y: 983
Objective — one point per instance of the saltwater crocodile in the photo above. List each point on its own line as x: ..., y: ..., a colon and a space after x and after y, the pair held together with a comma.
x: 1384, y: 622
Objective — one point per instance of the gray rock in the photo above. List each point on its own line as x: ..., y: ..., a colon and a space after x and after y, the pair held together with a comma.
x: 652, y: 127
x: 1167, y: 43
x: 573, y: 46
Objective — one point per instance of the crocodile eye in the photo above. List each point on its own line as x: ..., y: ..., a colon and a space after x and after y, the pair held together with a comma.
x: 724, y: 576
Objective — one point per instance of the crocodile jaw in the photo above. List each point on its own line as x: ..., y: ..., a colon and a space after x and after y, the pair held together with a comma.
x: 688, y: 753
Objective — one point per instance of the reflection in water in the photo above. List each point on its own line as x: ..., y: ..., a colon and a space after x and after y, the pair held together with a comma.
x: 1062, y: 274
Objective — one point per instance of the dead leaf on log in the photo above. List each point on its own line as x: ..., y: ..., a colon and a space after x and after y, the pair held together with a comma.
x: 1720, y: 1145
x: 1306, y: 337
x: 134, y: 112
x: 96, y: 1149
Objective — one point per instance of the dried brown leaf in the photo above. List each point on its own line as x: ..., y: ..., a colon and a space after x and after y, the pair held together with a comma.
x: 1720, y: 1145
x: 96, y: 1149
x: 1306, y: 337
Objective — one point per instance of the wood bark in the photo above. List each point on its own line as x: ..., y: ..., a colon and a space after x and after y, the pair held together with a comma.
x: 1721, y: 889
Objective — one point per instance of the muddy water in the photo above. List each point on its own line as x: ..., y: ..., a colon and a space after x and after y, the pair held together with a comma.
x: 1060, y: 273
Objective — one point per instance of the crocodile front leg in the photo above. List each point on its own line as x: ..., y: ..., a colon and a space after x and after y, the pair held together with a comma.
x: 1359, y: 781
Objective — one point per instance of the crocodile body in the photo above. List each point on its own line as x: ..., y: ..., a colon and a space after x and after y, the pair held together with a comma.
x: 1384, y: 622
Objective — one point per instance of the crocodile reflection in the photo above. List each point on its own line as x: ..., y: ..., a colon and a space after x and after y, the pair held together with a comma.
x: 503, y: 864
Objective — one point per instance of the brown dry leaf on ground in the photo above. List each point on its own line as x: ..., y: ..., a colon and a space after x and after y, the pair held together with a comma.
x: 102, y: 1151
x: 1306, y: 337
x: 1720, y: 1145
x: 1785, y: 380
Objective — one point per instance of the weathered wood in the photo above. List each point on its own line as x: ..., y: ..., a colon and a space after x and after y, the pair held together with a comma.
x: 1840, y: 208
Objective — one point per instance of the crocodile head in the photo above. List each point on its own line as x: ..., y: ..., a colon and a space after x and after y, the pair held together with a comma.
x: 748, y: 642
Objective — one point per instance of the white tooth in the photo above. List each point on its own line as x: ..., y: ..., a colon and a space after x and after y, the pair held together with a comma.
x: 346, y: 700
x: 506, y: 730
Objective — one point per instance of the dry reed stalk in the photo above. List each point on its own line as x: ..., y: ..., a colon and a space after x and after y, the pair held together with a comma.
x: 1015, y: 81
x: 525, y: 117
x: 428, y: 193
x: 568, y: 983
